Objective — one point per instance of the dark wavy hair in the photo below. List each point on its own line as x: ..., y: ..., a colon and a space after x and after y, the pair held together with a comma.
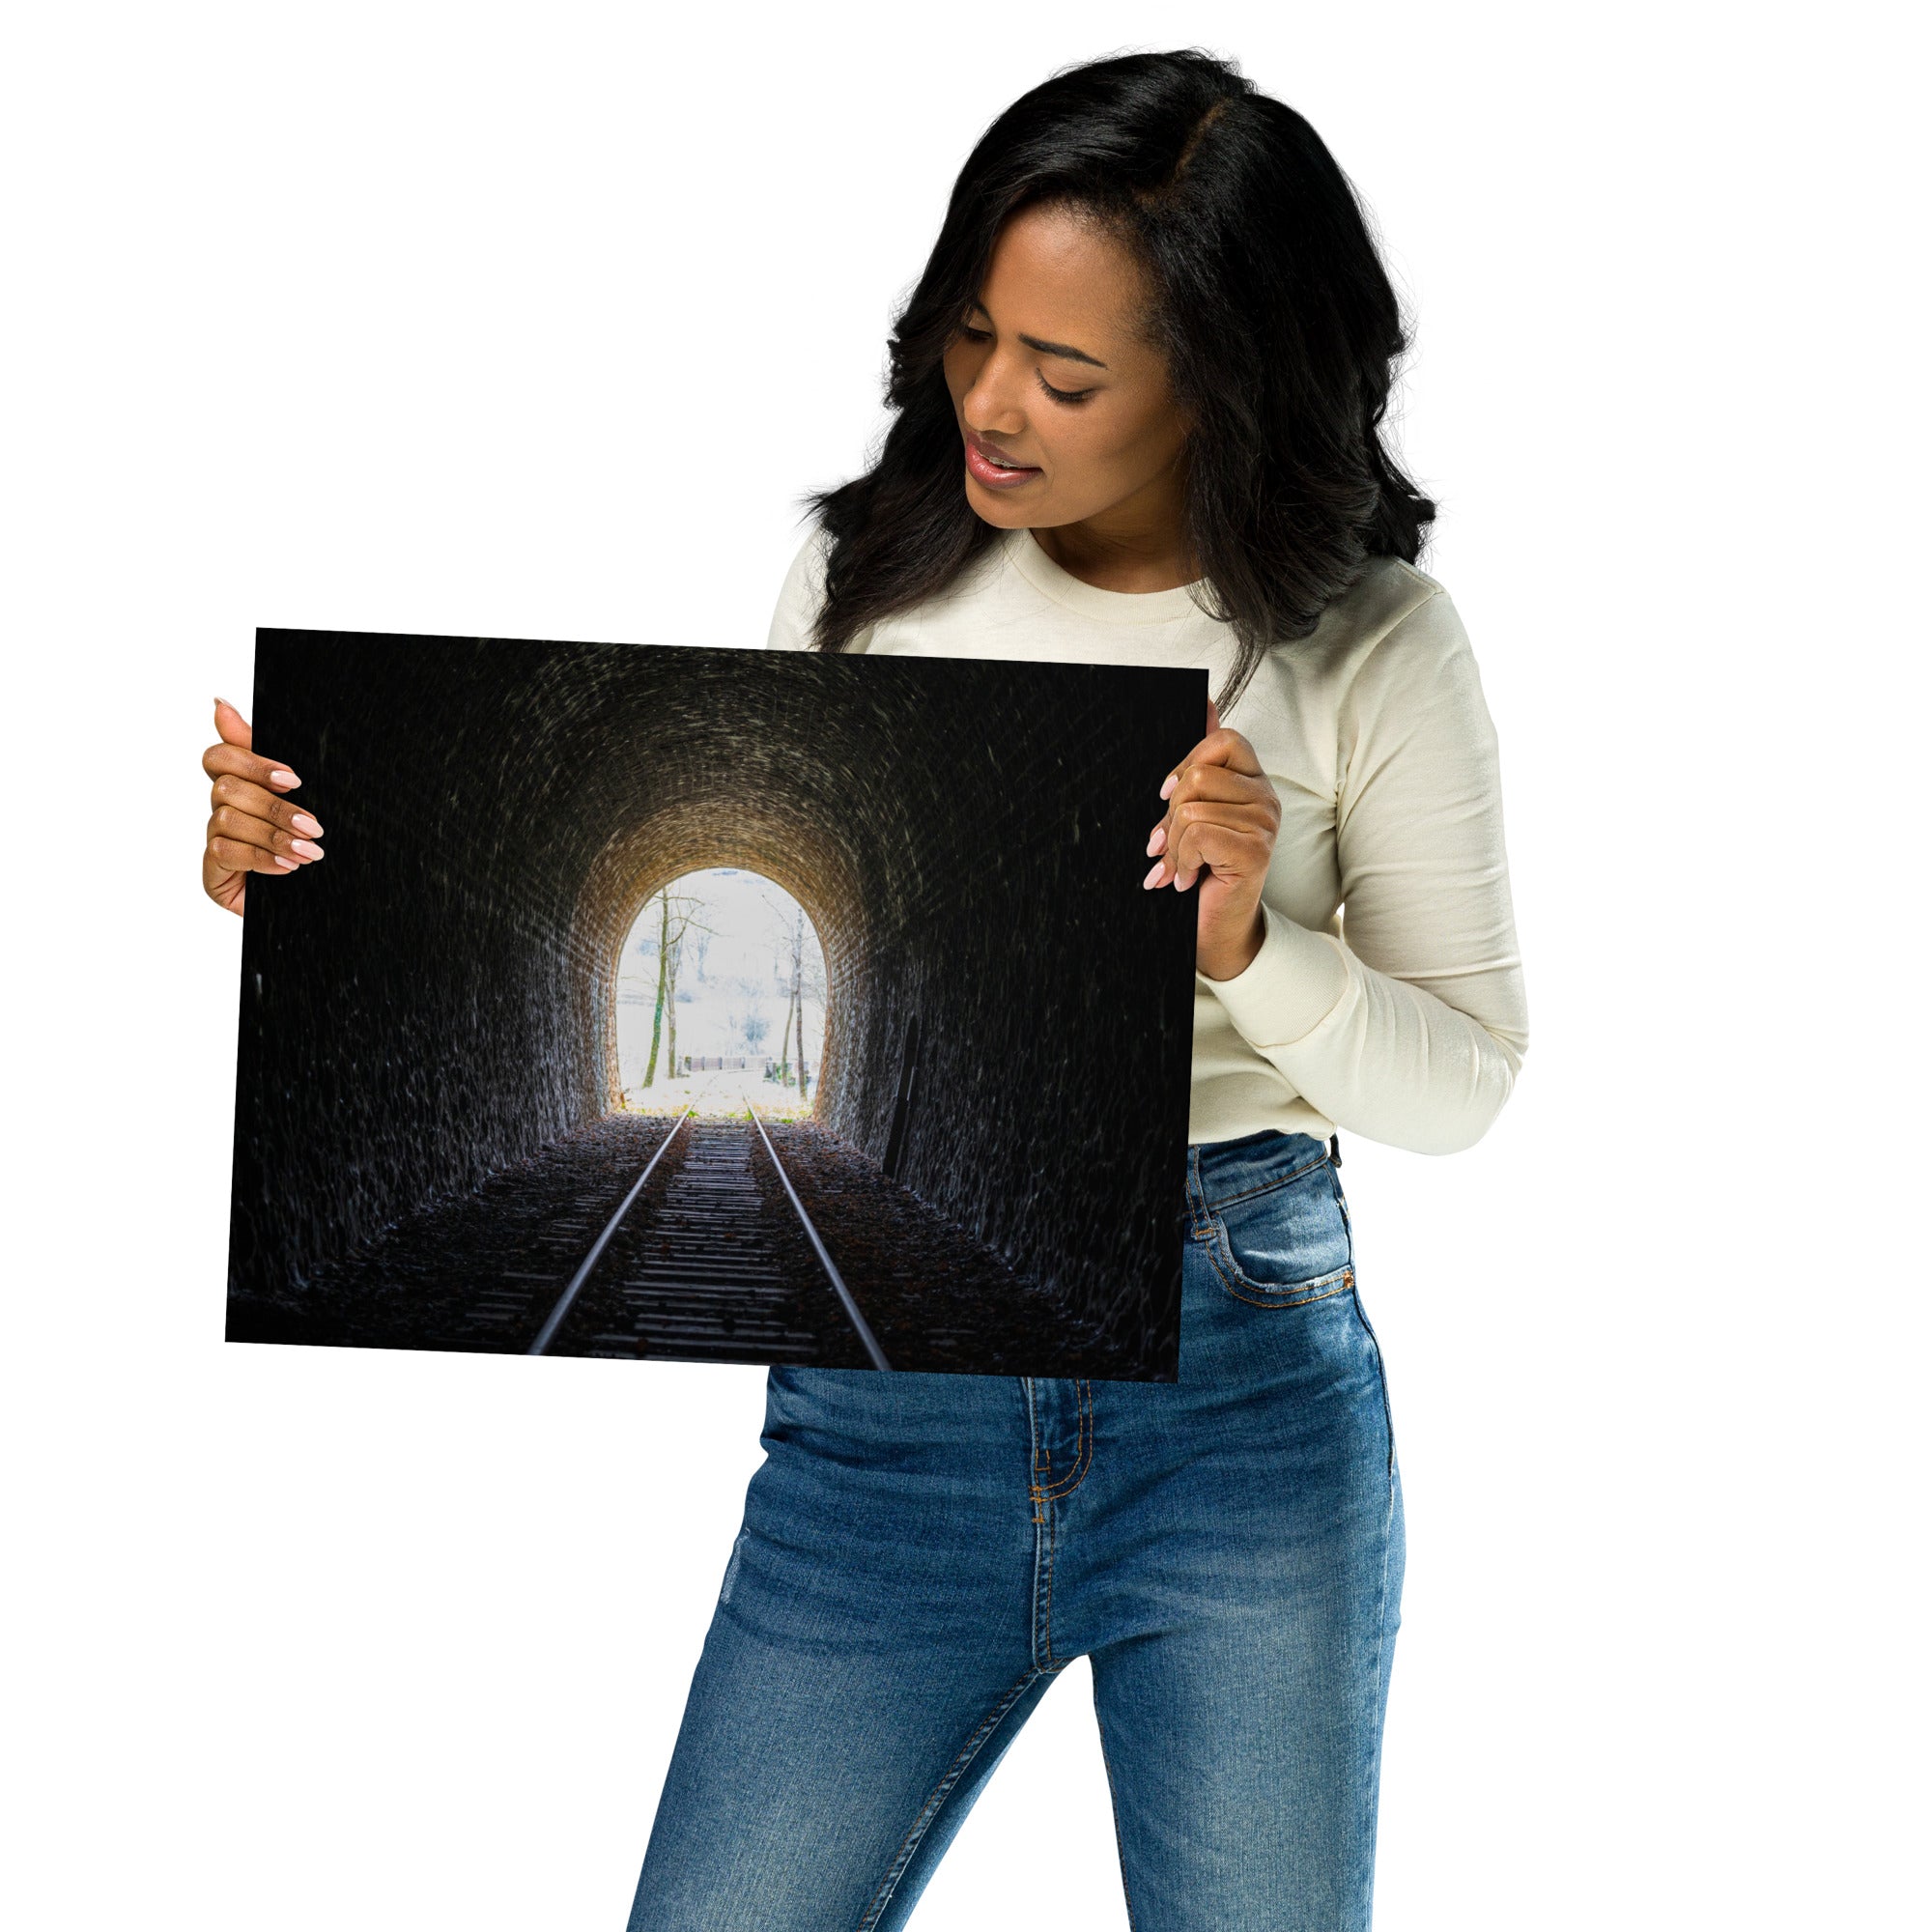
x: 1269, y: 303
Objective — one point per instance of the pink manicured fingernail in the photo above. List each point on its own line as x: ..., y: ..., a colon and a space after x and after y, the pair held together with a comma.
x: 1159, y: 866
x: 307, y: 848
x: 1173, y: 779
x: 1158, y: 840
x: 282, y: 777
x: 293, y: 864
x: 304, y: 821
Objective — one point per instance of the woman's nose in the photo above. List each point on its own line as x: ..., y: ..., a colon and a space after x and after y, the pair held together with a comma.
x: 990, y: 404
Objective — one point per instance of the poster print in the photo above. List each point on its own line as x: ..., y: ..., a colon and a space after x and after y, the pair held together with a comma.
x: 667, y: 1002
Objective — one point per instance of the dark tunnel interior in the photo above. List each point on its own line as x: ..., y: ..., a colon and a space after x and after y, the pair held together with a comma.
x: 435, y: 998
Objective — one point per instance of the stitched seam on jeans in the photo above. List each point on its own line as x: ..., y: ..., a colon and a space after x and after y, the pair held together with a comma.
x: 1037, y: 1459
x: 1300, y: 1302
x: 1280, y: 1181
x: 1083, y: 1452
x: 1042, y: 1611
x: 1052, y: 1556
x: 1197, y: 1223
x: 909, y: 1844
x: 1042, y: 1552
x: 1382, y: 1382
x: 1238, y: 1286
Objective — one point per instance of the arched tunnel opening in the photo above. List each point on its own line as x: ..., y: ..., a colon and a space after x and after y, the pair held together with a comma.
x: 722, y: 994
x: 430, y: 1017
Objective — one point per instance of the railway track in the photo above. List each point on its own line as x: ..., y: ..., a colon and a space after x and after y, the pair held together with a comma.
x: 700, y: 1270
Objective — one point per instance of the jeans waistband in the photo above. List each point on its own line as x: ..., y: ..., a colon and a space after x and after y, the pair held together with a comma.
x: 1219, y: 1170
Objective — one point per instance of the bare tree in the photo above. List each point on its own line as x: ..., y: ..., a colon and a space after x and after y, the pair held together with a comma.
x: 798, y: 974
x: 784, y: 1049
x: 658, y: 1012
x: 797, y: 998
x: 677, y: 915
x: 671, y: 997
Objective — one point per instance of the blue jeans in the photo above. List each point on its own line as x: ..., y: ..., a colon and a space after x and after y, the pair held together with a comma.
x: 923, y: 1554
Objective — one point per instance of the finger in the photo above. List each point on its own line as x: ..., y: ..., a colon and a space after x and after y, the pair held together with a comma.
x: 238, y: 762
x: 223, y: 859
x: 1218, y: 782
x: 231, y: 727
x: 1220, y: 853
x: 258, y: 802
x: 1231, y: 839
x: 1233, y: 845
x: 233, y: 833
x: 228, y: 890
x: 1257, y: 806
x: 1217, y: 787
x: 1220, y: 747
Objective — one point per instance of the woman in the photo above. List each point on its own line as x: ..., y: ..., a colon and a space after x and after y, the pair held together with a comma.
x: 1137, y: 399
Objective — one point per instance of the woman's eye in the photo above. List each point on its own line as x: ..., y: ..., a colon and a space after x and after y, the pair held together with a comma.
x: 1064, y: 395
x: 969, y: 333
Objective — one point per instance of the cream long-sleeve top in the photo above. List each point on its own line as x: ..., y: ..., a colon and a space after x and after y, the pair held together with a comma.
x: 1388, y: 997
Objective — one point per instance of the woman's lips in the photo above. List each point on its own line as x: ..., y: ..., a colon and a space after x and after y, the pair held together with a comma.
x: 996, y: 475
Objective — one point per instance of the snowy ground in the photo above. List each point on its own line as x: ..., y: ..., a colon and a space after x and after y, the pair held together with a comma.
x: 718, y: 1092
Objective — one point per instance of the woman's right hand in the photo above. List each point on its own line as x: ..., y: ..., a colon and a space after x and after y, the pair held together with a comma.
x: 253, y: 827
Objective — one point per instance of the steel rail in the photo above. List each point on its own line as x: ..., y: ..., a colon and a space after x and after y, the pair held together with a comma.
x: 548, y: 1332
x: 857, y: 1320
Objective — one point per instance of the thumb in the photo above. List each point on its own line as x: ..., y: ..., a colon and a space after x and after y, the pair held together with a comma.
x: 1214, y: 717
x: 235, y: 729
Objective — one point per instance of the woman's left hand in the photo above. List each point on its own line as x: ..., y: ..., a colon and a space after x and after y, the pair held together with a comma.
x: 1222, y: 817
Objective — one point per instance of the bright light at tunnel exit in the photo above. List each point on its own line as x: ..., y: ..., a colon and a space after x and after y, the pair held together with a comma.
x: 721, y: 992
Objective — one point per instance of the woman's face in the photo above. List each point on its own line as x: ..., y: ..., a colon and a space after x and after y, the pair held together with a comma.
x: 1048, y: 373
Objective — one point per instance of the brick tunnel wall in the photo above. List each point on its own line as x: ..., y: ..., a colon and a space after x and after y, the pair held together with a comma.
x: 437, y: 996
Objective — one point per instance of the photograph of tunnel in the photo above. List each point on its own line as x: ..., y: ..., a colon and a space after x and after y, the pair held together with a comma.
x: 721, y: 1005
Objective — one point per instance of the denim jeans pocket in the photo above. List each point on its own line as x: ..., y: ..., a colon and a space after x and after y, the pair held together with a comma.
x: 1286, y: 1242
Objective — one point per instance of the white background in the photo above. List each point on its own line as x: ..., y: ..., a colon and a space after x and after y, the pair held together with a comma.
x: 535, y: 321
